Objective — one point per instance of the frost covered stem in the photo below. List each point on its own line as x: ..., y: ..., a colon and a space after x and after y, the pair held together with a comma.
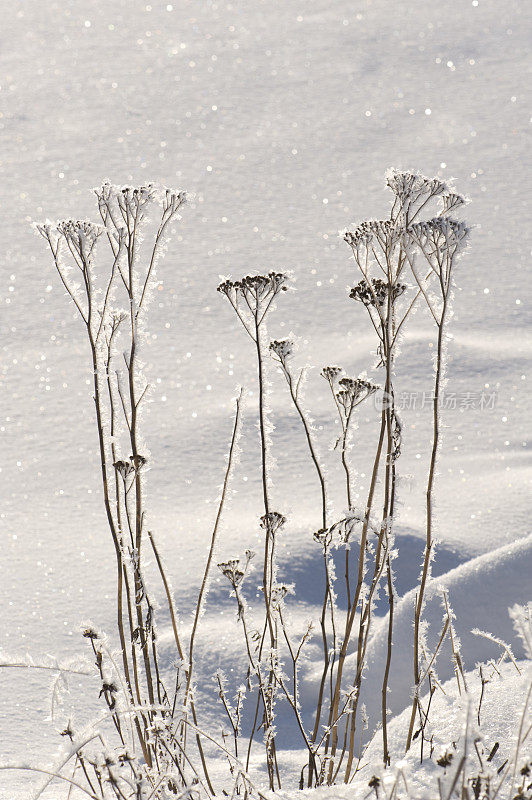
x: 429, y: 523
x: 205, y: 582
x: 294, y: 394
x: 131, y: 243
x: 266, y: 579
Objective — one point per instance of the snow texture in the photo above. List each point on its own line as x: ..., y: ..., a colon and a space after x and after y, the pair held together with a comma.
x: 280, y: 119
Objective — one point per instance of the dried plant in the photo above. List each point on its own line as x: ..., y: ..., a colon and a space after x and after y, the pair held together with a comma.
x: 151, y: 741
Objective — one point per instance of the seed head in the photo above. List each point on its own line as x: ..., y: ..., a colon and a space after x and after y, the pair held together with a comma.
x: 353, y: 389
x: 272, y: 522
x: 255, y: 287
x: 331, y: 373
x: 231, y: 570
x: 441, y: 233
x: 450, y: 202
x: 278, y: 595
x: 376, y: 295
x: 90, y: 633
x: 385, y: 231
x: 124, y: 468
x: 282, y: 348
x: 407, y: 186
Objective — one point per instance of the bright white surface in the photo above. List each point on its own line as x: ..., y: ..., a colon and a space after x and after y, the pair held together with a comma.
x: 282, y: 119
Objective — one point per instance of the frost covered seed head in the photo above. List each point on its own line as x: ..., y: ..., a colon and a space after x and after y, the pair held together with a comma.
x: 354, y: 388
x: 384, y: 231
x: 282, y: 348
x: 254, y: 286
x: 376, y: 295
x: 407, y: 186
x: 90, y: 633
x: 272, y: 522
x: 124, y: 468
x: 231, y: 570
x: 79, y: 235
x: 278, y: 595
x: 331, y: 373
x: 439, y: 234
x: 450, y: 202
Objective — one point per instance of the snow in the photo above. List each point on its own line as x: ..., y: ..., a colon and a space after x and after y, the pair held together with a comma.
x: 502, y: 708
x: 281, y: 120
x: 480, y: 592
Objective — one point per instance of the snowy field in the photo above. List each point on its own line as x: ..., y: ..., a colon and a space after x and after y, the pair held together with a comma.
x: 280, y: 119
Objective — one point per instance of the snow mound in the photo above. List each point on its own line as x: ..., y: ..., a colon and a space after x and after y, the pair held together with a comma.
x: 480, y: 592
x: 502, y: 709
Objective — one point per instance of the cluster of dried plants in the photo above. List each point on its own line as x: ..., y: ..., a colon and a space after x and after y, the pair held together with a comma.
x: 402, y: 260
x: 150, y: 741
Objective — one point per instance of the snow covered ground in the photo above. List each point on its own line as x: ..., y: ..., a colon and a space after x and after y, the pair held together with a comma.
x: 281, y: 119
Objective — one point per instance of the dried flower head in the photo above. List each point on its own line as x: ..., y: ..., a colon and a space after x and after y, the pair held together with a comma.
x: 357, y: 387
x: 282, y: 349
x: 450, y: 202
x: 79, y: 235
x: 385, y: 232
x: 231, y: 570
x: 252, y: 298
x: 439, y: 234
x: 119, y: 202
x: 272, y: 522
x: 323, y: 537
x: 90, y: 633
x: 353, y: 391
x: 138, y: 462
x: 409, y: 187
x: 124, y: 468
x: 134, y: 197
x: 255, y: 287
x: 331, y: 373
x: 376, y: 293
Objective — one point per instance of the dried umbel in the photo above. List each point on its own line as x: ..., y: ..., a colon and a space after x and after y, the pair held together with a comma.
x: 348, y: 392
x: 411, y: 189
x: 331, y: 373
x: 439, y: 235
x: 384, y: 231
x: 135, y: 198
x: 80, y: 236
x: 376, y: 293
x: 80, y: 233
x: 252, y: 298
x: 282, y: 349
x: 272, y: 522
x: 450, y: 202
x: 90, y: 633
x: 352, y: 392
x: 356, y: 387
x: 124, y: 211
x: 231, y: 570
x: 254, y: 287
x: 124, y: 468
x: 134, y: 465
